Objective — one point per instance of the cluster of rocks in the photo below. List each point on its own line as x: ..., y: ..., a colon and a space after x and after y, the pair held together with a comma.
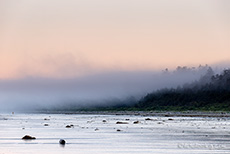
x: 28, y: 137
x: 63, y: 142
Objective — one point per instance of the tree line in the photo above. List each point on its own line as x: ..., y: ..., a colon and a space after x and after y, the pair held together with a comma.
x: 211, y: 92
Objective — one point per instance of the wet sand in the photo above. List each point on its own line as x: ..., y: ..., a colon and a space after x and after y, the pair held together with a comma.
x: 122, y: 133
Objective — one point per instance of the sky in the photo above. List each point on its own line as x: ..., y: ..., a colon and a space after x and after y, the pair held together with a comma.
x: 97, y: 51
x: 72, y: 38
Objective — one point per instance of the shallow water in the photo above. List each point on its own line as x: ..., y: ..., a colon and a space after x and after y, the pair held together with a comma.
x: 90, y: 134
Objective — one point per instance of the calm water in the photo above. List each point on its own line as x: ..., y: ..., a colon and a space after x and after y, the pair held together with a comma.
x: 99, y: 134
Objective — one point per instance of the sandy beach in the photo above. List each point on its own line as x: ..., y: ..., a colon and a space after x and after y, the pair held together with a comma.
x: 110, y: 134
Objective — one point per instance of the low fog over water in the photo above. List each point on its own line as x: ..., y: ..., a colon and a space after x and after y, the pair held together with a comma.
x: 102, y: 88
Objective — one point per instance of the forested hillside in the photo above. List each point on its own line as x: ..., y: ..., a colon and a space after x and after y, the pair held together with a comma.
x: 211, y: 92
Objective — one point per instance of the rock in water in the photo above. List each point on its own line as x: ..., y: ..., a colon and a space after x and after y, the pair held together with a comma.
x: 69, y: 126
x: 122, y: 122
x: 62, y: 142
x: 27, y: 137
x: 136, y: 122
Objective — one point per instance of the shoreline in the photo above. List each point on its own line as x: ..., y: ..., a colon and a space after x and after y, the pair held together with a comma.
x: 88, y: 134
x: 146, y: 113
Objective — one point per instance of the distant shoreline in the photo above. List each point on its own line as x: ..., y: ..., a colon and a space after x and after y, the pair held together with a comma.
x: 146, y: 113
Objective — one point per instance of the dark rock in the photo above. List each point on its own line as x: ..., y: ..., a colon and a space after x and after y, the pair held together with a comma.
x: 170, y: 119
x: 62, y: 142
x: 148, y: 119
x: 104, y: 121
x: 69, y: 126
x: 46, y: 124
x: 27, y: 137
x: 118, y: 130
x: 122, y: 122
x: 136, y: 122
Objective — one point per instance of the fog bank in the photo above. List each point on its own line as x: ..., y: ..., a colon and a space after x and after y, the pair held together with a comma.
x: 103, y: 88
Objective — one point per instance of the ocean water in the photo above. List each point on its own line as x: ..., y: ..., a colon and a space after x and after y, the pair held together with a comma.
x: 100, y: 134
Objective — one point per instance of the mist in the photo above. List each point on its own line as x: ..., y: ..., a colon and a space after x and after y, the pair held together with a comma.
x: 101, y: 89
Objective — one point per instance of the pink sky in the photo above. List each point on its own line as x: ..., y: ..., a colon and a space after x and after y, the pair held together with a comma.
x: 68, y: 38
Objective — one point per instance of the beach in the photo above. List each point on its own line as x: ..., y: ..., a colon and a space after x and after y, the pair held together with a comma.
x: 114, y: 133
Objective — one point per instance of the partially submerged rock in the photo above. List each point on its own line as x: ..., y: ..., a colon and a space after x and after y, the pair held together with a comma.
x: 69, y: 126
x: 62, y: 142
x: 119, y: 122
x: 136, y: 122
x: 148, y: 119
x: 28, y: 137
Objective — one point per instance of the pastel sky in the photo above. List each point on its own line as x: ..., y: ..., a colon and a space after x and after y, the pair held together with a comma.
x: 69, y: 38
